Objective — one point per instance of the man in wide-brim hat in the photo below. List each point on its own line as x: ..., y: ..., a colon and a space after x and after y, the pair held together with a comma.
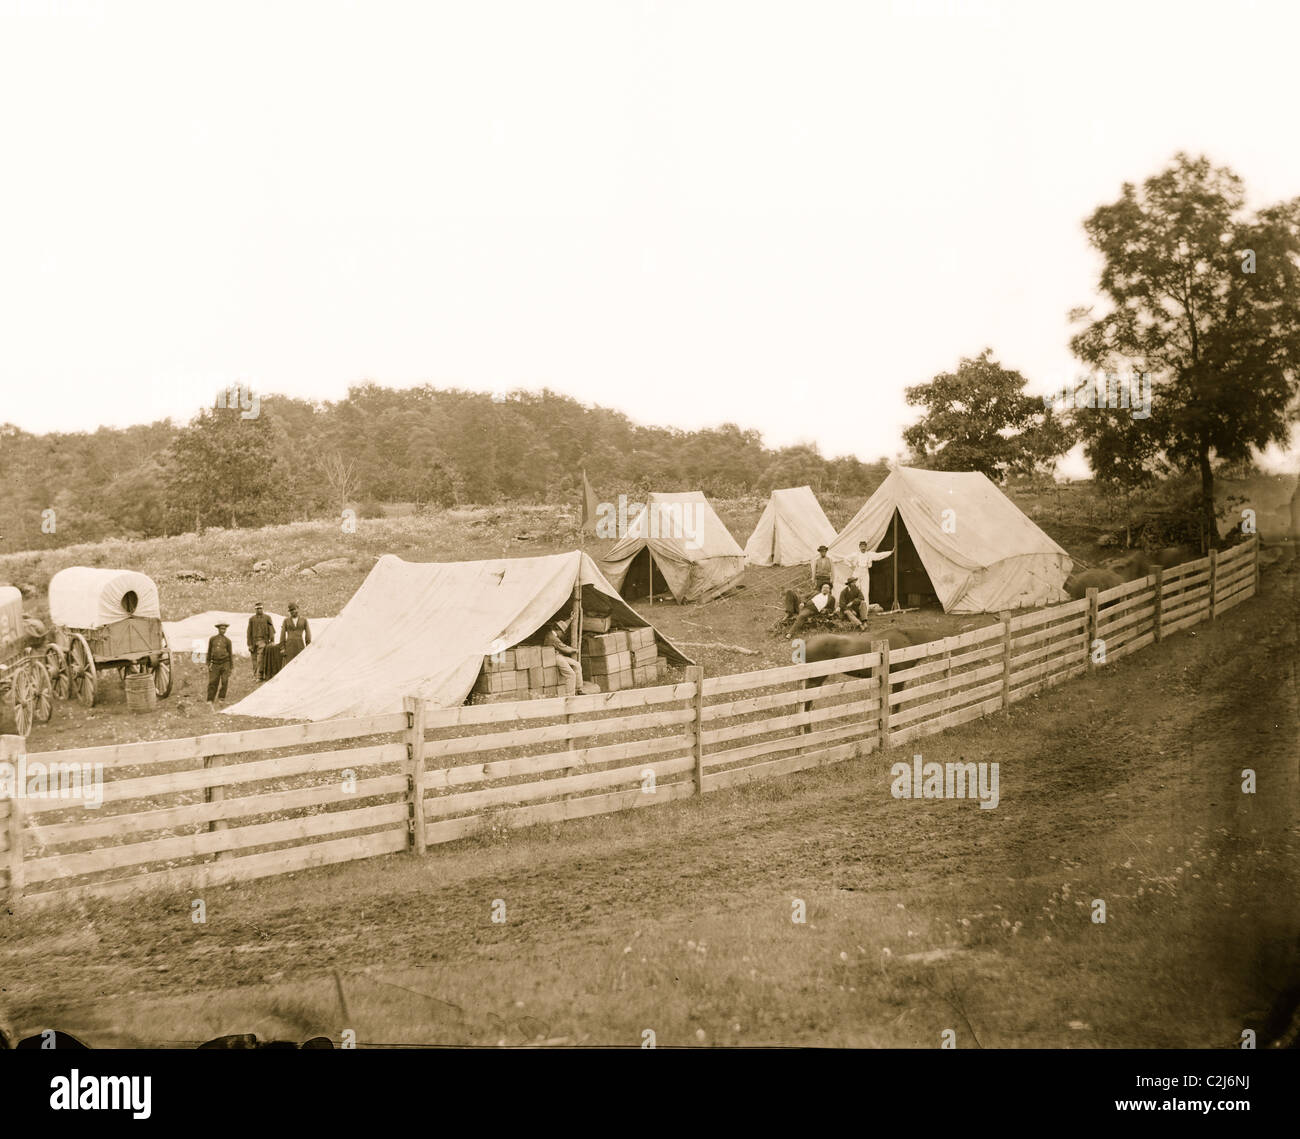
x: 823, y: 571
x: 221, y: 659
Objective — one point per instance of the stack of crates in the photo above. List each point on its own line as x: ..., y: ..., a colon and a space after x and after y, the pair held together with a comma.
x: 520, y: 672
x: 621, y: 659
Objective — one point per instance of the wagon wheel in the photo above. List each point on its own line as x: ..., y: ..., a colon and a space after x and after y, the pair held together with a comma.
x: 162, y: 671
x: 24, y: 699
x: 42, y: 691
x: 56, y: 664
x: 81, y: 671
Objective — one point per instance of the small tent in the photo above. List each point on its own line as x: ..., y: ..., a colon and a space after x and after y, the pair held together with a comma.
x: 791, y: 528
x: 676, y: 544
x: 960, y: 541
x: 423, y: 629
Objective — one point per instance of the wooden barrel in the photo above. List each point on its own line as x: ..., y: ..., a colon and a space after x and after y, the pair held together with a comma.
x: 140, y: 693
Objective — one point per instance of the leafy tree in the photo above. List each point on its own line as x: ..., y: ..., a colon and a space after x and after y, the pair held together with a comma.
x: 1206, y: 300
x: 979, y: 418
x: 226, y: 470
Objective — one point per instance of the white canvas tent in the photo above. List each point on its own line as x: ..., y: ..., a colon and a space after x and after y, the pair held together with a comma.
x: 676, y: 544
x: 423, y: 629
x: 86, y: 597
x: 960, y: 538
x: 190, y: 634
x: 791, y: 528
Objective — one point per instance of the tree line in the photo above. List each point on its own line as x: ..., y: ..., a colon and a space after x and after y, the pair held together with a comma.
x: 1193, y: 358
x: 277, y: 458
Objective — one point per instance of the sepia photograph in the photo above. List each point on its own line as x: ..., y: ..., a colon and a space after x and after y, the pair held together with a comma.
x: 581, y: 527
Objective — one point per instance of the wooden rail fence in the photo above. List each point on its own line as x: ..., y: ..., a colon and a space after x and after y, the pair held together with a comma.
x: 241, y: 805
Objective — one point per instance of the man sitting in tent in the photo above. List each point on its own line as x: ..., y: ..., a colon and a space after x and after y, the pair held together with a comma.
x: 821, y: 602
x: 566, y: 657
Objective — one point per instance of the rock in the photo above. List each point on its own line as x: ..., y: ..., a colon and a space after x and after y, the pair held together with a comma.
x: 1108, y: 540
x: 264, y: 566
x: 191, y: 575
x: 332, y: 565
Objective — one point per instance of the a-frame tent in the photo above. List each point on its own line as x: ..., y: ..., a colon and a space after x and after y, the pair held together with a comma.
x: 960, y: 541
x: 676, y: 545
x: 789, y: 530
x: 423, y: 629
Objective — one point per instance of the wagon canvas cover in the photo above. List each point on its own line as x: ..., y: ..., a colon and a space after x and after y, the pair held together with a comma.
x: 423, y: 629
x: 84, y: 597
x: 11, y: 617
x: 983, y: 557
x: 791, y: 528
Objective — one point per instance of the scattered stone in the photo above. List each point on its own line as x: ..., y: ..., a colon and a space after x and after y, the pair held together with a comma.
x: 332, y: 565
x: 264, y: 566
x: 191, y: 575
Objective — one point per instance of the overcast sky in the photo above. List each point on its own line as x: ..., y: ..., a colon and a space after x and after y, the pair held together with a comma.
x: 778, y: 214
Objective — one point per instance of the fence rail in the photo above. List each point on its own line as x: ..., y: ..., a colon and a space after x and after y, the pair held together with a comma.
x: 235, y: 806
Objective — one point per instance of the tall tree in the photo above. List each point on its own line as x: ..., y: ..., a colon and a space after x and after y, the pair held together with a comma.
x: 225, y: 470
x: 979, y: 418
x: 1205, y: 299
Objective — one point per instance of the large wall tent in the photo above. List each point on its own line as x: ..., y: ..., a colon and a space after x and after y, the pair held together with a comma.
x: 423, y: 629
x: 961, y: 542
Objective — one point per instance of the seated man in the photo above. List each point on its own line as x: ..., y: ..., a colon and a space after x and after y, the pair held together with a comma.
x: 851, y: 600
x: 819, y: 602
x: 566, y: 657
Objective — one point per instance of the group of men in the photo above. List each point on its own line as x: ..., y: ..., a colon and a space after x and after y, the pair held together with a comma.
x: 295, y: 635
x: 853, y: 601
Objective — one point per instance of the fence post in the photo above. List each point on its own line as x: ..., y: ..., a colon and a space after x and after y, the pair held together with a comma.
x: 1157, y: 628
x: 11, y: 751
x: 1006, y: 658
x: 216, y: 795
x: 413, y: 706
x: 695, y: 674
x: 1092, y: 626
x: 882, y: 647
x: 1214, y: 579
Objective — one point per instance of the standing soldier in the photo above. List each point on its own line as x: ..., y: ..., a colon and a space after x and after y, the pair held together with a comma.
x: 823, y: 570
x: 295, y: 633
x: 221, y: 658
x: 261, y: 632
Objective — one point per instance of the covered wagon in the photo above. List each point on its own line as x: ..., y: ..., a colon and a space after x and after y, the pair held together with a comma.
x: 106, y: 619
x: 26, y: 690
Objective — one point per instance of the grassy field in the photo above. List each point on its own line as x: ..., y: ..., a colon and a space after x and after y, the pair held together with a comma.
x: 921, y: 916
x: 226, y: 558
